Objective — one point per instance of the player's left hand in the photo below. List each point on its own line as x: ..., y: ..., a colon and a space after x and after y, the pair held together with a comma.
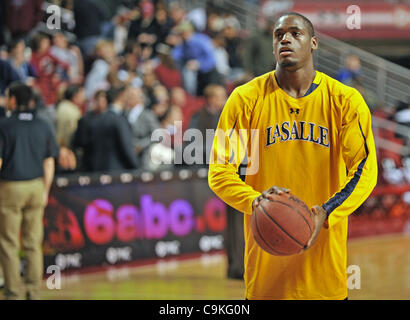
x: 320, y: 220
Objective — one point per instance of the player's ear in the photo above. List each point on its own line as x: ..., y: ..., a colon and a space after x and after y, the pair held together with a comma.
x: 314, y: 43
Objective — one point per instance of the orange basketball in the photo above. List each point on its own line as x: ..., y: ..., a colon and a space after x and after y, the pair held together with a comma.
x: 282, y: 226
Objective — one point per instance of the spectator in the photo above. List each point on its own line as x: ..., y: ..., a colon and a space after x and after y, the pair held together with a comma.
x: 258, y: 58
x: 351, y: 71
x: 195, y: 57
x: 106, y: 61
x: 23, y: 16
x: 166, y: 72
x: 7, y: 75
x: 17, y: 58
x: 49, y: 69
x: 116, y: 100
x: 105, y: 139
x: 68, y: 114
x: 146, y: 29
x: 88, y: 21
x: 161, y: 93
x: 128, y: 70
x: 177, y: 12
x: 187, y: 104
x: 205, y: 119
x: 164, y: 21
x: 221, y: 56
x: 234, y: 47
x: 143, y: 122
x: 70, y: 55
x: 208, y: 116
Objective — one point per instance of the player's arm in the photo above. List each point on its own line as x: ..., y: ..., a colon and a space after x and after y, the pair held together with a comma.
x: 230, y: 145
x: 359, y: 154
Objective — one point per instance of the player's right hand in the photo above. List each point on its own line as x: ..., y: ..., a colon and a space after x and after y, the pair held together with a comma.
x: 267, y: 194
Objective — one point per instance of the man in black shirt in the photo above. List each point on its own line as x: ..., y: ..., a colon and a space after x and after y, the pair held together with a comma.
x: 106, y: 140
x: 27, y: 152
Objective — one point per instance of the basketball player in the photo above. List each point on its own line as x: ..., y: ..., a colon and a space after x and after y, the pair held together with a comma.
x: 314, y: 140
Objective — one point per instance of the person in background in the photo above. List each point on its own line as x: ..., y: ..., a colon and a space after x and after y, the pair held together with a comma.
x: 177, y: 12
x: 116, y: 100
x: 88, y: 21
x: 196, y: 59
x: 205, y: 119
x: 351, y: 71
x: 26, y: 176
x: 105, y: 139
x: 258, y: 58
x: 106, y: 61
x: 187, y: 103
x: 18, y: 60
x: 221, y: 57
x: 208, y: 116
x: 142, y: 120
x: 50, y: 70
x: 23, y: 16
x: 234, y: 45
x: 146, y: 28
x: 7, y: 75
x: 68, y: 114
x: 70, y: 55
x: 167, y: 72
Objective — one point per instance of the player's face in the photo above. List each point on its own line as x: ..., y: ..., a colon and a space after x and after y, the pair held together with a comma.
x: 292, y: 42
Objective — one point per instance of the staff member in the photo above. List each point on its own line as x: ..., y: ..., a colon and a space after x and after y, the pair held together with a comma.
x: 27, y: 152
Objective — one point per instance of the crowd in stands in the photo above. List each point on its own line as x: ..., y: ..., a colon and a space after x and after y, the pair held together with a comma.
x: 119, y: 69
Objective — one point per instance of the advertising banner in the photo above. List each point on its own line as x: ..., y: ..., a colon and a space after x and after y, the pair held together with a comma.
x: 106, y: 219
x: 103, y: 220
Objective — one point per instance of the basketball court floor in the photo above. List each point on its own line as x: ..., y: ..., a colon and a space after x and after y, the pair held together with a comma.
x: 383, y: 261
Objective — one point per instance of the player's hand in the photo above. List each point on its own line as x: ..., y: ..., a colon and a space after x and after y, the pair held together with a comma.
x: 268, y: 194
x: 320, y: 220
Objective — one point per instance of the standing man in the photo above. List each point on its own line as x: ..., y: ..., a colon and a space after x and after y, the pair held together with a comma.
x: 305, y: 133
x: 203, y: 120
x: 105, y: 138
x: 194, y: 55
x: 27, y: 152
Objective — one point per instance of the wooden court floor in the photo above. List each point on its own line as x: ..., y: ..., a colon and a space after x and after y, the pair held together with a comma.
x: 384, y: 264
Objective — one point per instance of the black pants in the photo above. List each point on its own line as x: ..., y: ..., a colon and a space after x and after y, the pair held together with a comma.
x: 235, y: 244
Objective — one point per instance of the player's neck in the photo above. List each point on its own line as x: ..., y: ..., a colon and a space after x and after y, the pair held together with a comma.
x: 295, y: 82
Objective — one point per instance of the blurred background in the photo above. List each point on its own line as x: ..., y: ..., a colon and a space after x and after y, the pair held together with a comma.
x: 123, y: 221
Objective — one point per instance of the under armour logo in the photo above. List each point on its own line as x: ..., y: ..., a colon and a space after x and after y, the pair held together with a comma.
x: 294, y: 110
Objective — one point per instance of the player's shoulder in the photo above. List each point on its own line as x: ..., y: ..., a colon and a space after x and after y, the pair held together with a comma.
x: 338, y: 89
x: 254, y: 88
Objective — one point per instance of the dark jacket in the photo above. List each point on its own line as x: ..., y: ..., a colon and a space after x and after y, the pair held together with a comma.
x: 106, y: 140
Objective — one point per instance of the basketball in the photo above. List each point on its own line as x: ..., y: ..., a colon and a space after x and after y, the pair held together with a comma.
x: 282, y: 226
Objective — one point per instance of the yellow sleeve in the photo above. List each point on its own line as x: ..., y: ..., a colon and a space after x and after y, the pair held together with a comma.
x: 359, y: 154
x: 230, y: 151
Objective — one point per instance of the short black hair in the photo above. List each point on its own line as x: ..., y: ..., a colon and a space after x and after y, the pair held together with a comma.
x: 307, y: 22
x: 114, y: 92
x: 23, y: 94
x: 71, y: 91
x: 14, y: 43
